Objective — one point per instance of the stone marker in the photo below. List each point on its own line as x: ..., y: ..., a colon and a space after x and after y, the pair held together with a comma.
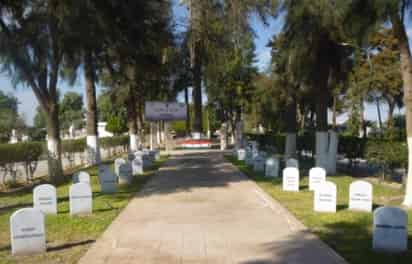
x: 290, y: 179
x: 241, y: 154
x: 259, y: 163
x: 157, y: 154
x: 360, y: 196
x: 390, y: 232
x: 45, y: 198
x: 80, y: 199
x: 292, y: 163
x: 125, y: 173
x: 325, y: 197
x: 249, y: 158
x: 81, y: 176
x: 108, y: 181
x: 272, y: 167
x: 137, y: 165
x: 317, y: 175
x: 130, y: 157
x: 27, y: 232
x: 117, y: 163
x: 147, y: 162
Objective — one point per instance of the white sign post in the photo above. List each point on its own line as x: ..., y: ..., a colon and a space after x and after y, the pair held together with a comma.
x: 165, y: 111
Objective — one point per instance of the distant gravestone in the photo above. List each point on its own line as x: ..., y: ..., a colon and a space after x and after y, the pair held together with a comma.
x: 147, y: 162
x: 317, y: 175
x: 108, y: 182
x: 241, y: 154
x: 292, y: 163
x: 272, y: 167
x: 152, y: 154
x: 249, y: 158
x: 360, y: 196
x: 325, y: 197
x: 137, y: 165
x: 290, y: 179
x: 130, y: 157
x: 157, y: 154
x: 81, y: 176
x: 45, y: 198
x: 259, y: 163
x: 125, y: 173
x: 80, y: 195
x: 117, y: 163
x: 27, y: 232
x: 390, y: 233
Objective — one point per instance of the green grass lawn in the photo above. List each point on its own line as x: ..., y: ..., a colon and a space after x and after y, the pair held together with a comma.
x: 69, y: 237
x: 347, y: 232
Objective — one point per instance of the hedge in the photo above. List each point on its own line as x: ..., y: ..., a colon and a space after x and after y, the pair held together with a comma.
x: 389, y: 153
x: 32, y: 151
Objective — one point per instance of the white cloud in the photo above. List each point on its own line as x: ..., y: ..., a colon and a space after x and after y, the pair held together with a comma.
x: 263, y: 59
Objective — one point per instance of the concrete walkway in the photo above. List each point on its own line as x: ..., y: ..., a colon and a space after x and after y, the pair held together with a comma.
x: 201, y: 209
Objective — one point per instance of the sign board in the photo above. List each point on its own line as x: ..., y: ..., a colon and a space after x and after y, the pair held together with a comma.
x: 165, y: 111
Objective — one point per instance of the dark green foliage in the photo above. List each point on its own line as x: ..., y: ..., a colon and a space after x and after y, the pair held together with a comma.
x: 352, y: 147
x: 20, y: 152
x: 74, y: 145
x: 116, y: 125
x: 110, y: 142
x: 386, y: 153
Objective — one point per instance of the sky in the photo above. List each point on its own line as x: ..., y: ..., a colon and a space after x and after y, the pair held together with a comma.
x: 263, y: 33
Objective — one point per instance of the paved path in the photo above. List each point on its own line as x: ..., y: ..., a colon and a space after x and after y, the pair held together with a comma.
x: 201, y: 209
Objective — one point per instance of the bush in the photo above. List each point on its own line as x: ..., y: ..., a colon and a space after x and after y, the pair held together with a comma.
x: 352, y: 147
x: 387, y: 154
x: 27, y: 153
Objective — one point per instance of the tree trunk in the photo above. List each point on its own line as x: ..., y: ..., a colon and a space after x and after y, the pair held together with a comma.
x: 187, y: 111
x: 291, y: 127
x: 93, y: 150
x: 406, y: 71
x: 378, y: 109
x: 197, y: 89
x: 322, y: 118
x: 362, y: 118
x: 132, y: 122
x: 55, y: 166
x: 391, y: 106
x: 334, y: 123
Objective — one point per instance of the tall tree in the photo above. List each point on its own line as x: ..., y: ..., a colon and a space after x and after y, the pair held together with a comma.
x: 32, y: 47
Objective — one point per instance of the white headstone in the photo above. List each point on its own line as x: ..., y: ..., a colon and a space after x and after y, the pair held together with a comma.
x: 81, y: 176
x: 317, y: 175
x: 292, y: 163
x: 108, y: 182
x: 157, y: 154
x: 27, y: 232
x: 45, y: 198
x: 259, y: 163
x: 390, y: 232
x: 360, y: 196
x: 117, y: 163
x: 137, y: 165
x: 241, y: 154
x: 325, y: 197
x: 125, y: 173
x: 272, y: 167
x: 249, y: 157
x: 290, y: 179
x: 80, y: 199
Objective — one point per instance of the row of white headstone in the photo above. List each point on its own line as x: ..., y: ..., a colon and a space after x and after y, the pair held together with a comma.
x: 27, y: 225
x: 390, y: 231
